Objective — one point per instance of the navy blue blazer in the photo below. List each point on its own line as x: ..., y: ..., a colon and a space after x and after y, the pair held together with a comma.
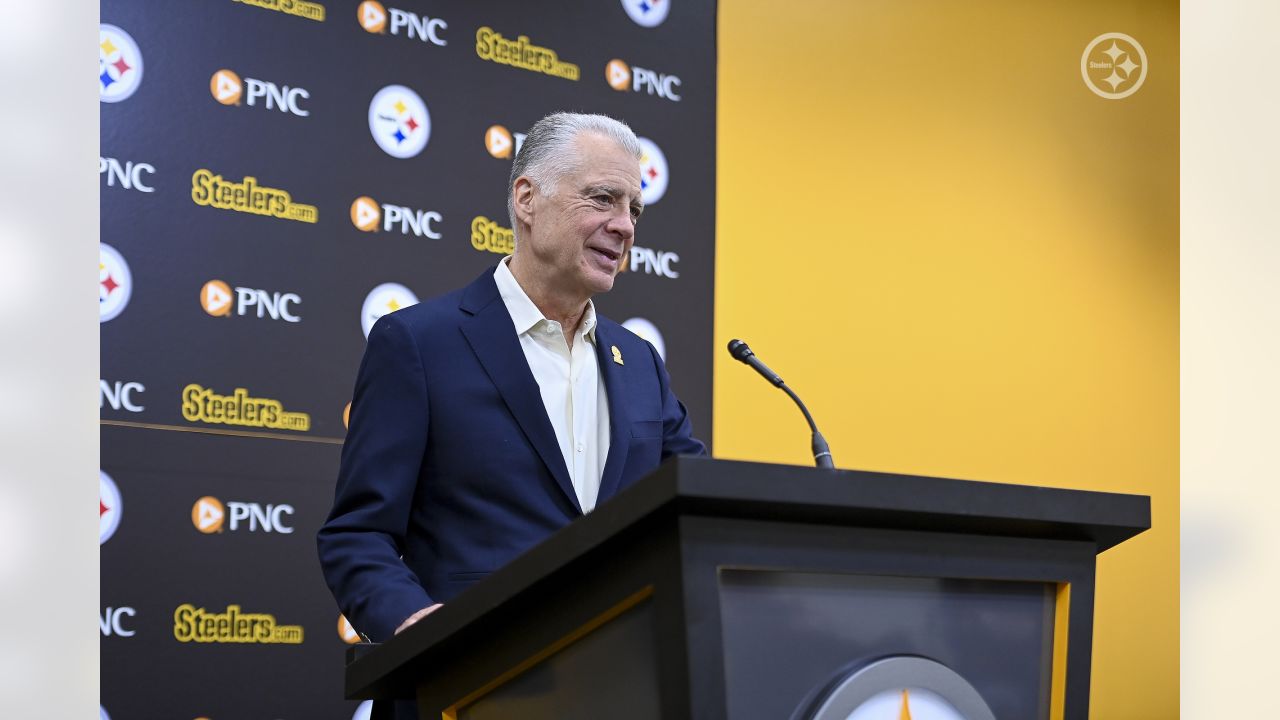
x: 451, y: 467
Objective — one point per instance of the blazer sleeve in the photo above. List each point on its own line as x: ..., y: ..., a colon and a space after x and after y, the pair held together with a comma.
x: 361, y: 542
x: 677, y: 430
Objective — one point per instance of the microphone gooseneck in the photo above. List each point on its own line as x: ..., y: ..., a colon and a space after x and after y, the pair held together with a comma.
x: 742, y: 353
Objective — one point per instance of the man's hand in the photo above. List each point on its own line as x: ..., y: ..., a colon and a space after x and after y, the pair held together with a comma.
x: 416, y: 617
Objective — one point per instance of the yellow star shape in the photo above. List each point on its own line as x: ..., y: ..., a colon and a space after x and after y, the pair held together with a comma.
x: 399, y: 106
x: 393, y: 305
x: 107, y: 47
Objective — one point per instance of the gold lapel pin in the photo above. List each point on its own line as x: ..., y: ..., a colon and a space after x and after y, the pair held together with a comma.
x: 617, y: 355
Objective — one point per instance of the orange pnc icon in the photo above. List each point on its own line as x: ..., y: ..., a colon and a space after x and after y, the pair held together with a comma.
x: 215, y: 298
x: 207, y: 515
x: 225, y: 86
x: 618, y: 73
x: 346, y: 632
x: 497, y: 140
x: 372, y: 16
x: 366, y: 213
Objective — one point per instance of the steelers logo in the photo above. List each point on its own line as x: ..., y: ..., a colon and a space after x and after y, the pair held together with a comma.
x: 654, y: 174
x: 115, y: 283
x: 900, y: 686
x: 648, y: 331
x: 1114, y: 66
x: 110, y: 507
x: 119, y: 64
x: 386, y: 298
x: 399, y: 122
x: 647, y: 13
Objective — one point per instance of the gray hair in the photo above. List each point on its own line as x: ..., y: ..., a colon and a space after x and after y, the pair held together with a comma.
x: 547, y: 154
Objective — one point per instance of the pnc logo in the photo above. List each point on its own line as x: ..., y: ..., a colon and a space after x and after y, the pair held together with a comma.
x: 115, y: 283
x: 129, y: 176
x: 110, y: 507
x: 623, y: 77
x: 399, y: 121
x: 654, y: 262
x: 648, y: 332
x: 210, y: 516
x: 120, y: 395
x: 502, y: 143
x: 111, y: 621
x: 369, y: 216
x: 228, y: 89
x: 654, y: 174
x: 647, y: 13
x: 346, y: 632
x: 119, y: 64
x: 219, y: 300
x: 373, y: 17
x: 386, y: 298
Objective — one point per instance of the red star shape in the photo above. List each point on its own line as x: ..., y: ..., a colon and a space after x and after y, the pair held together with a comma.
x: 110, y: 284
x: 652, y: 173
x: 121, y: 66
x: 102, y: 508
x: 413, y: 124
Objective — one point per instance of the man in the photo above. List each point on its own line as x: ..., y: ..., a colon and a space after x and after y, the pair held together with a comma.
x: 486, y: 419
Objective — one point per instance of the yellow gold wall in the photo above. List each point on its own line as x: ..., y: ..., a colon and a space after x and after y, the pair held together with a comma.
x: 966, y: 262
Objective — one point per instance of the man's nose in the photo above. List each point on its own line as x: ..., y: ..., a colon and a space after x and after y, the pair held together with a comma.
x: 622, y: 224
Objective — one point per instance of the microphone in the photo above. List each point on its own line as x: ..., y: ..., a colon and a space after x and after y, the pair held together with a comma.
x: 740, y: 352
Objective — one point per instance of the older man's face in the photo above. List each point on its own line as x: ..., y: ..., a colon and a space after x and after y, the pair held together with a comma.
x: 580, y: 234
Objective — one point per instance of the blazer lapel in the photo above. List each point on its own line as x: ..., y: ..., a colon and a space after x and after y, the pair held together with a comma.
x: 492, y: 337
x: 615, y: 385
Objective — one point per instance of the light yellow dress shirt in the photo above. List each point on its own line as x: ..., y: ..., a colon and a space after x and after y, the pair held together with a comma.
x: 573, y: 392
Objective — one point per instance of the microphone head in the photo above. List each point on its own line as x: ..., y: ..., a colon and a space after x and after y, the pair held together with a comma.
x: 739, y: 350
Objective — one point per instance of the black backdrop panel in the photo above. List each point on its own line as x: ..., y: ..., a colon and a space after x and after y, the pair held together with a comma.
x: 202, y: 303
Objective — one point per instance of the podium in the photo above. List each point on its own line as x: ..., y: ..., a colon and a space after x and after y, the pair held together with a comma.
x: 718, y: 589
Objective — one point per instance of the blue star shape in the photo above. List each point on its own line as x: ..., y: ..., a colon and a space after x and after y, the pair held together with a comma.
x: 644, y: 185
x: 106, y: 80
x: 645, y: 7
x: 399, y: 136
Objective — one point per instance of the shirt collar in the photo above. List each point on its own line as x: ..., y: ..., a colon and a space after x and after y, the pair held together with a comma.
x: 524, y: 314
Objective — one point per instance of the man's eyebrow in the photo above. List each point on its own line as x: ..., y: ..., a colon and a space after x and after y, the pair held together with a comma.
x: 610, y: 190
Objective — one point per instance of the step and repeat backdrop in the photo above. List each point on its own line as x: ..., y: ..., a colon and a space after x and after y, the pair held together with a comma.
x: 275, y: 176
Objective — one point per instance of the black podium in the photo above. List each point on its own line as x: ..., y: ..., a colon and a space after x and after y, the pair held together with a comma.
x: 717, y: 589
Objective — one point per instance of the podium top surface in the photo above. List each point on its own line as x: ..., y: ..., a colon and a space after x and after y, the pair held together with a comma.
x: 701, y: 486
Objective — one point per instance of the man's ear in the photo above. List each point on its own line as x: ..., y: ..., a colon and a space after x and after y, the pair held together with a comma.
x: 522, y: 195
